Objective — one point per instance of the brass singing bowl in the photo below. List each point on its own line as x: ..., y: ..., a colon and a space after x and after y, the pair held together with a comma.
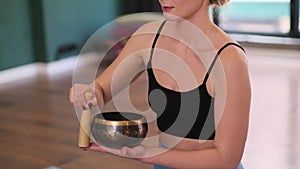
x: 119, y: 129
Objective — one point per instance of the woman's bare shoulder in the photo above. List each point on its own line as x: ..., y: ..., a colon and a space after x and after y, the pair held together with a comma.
x: 148, y: 28
x: 141, y: 40
x: 143, y: 37
x: 231, y: 53
x: 234, y: 55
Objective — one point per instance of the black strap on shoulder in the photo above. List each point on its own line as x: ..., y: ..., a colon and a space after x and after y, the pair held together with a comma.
x: 155, y: 39
x: 216, y: 57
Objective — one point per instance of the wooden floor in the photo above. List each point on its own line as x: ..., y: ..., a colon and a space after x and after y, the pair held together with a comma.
x: 39, y: 128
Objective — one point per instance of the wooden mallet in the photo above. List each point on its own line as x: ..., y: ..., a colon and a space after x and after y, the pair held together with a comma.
x: 85, y: 124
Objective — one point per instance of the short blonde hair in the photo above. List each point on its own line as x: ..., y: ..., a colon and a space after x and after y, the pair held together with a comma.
x: 218, y: 2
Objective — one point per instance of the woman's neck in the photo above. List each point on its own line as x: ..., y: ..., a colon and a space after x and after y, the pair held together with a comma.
x: 195, y: 27
x: 201, y: 19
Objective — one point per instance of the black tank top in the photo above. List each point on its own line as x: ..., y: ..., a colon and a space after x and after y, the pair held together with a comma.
x: 188, y: 114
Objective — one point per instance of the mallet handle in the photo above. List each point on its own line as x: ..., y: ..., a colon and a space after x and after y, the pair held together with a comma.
x: 85, y: 124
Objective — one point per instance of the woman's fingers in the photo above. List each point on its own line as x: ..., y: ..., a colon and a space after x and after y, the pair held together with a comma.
x: 78, y: 98
x: 71, y: 97
x: 134, y: 152
x: 96, y: 147
x: 92, y: 102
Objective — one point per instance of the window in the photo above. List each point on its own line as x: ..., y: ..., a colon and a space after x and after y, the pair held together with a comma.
x: 298, y: 16
x: 265, y: 17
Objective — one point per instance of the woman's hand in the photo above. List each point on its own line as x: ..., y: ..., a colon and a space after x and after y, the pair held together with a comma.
x: 134, y: 152
x: 141, y: 153
x: 77, y: 96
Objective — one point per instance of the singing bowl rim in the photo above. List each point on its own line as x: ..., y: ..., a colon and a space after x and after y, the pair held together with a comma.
x: 128, y: 122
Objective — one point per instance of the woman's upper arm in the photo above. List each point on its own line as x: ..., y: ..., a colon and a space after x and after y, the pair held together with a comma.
x: 232, y: 105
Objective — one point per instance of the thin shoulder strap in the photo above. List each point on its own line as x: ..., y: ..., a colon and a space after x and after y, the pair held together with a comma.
x: 216, y: 57
x: 155, y: 39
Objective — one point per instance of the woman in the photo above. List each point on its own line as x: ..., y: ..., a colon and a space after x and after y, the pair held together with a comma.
x: 218, y: 85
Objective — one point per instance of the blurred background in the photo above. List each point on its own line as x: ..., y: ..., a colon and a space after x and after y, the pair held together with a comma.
x: 40, y: 41
x: 45, y: 31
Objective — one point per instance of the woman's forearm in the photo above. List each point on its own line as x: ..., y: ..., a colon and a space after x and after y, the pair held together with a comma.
x: 101, y: 100
x: 198, y: 159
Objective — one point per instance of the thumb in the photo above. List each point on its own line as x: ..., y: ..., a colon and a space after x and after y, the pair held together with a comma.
x: 133, y: 152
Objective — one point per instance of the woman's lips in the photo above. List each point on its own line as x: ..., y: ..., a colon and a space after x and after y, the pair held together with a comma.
x: 167, y: 8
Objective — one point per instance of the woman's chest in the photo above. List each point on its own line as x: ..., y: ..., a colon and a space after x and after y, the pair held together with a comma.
x: 177, y: 67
